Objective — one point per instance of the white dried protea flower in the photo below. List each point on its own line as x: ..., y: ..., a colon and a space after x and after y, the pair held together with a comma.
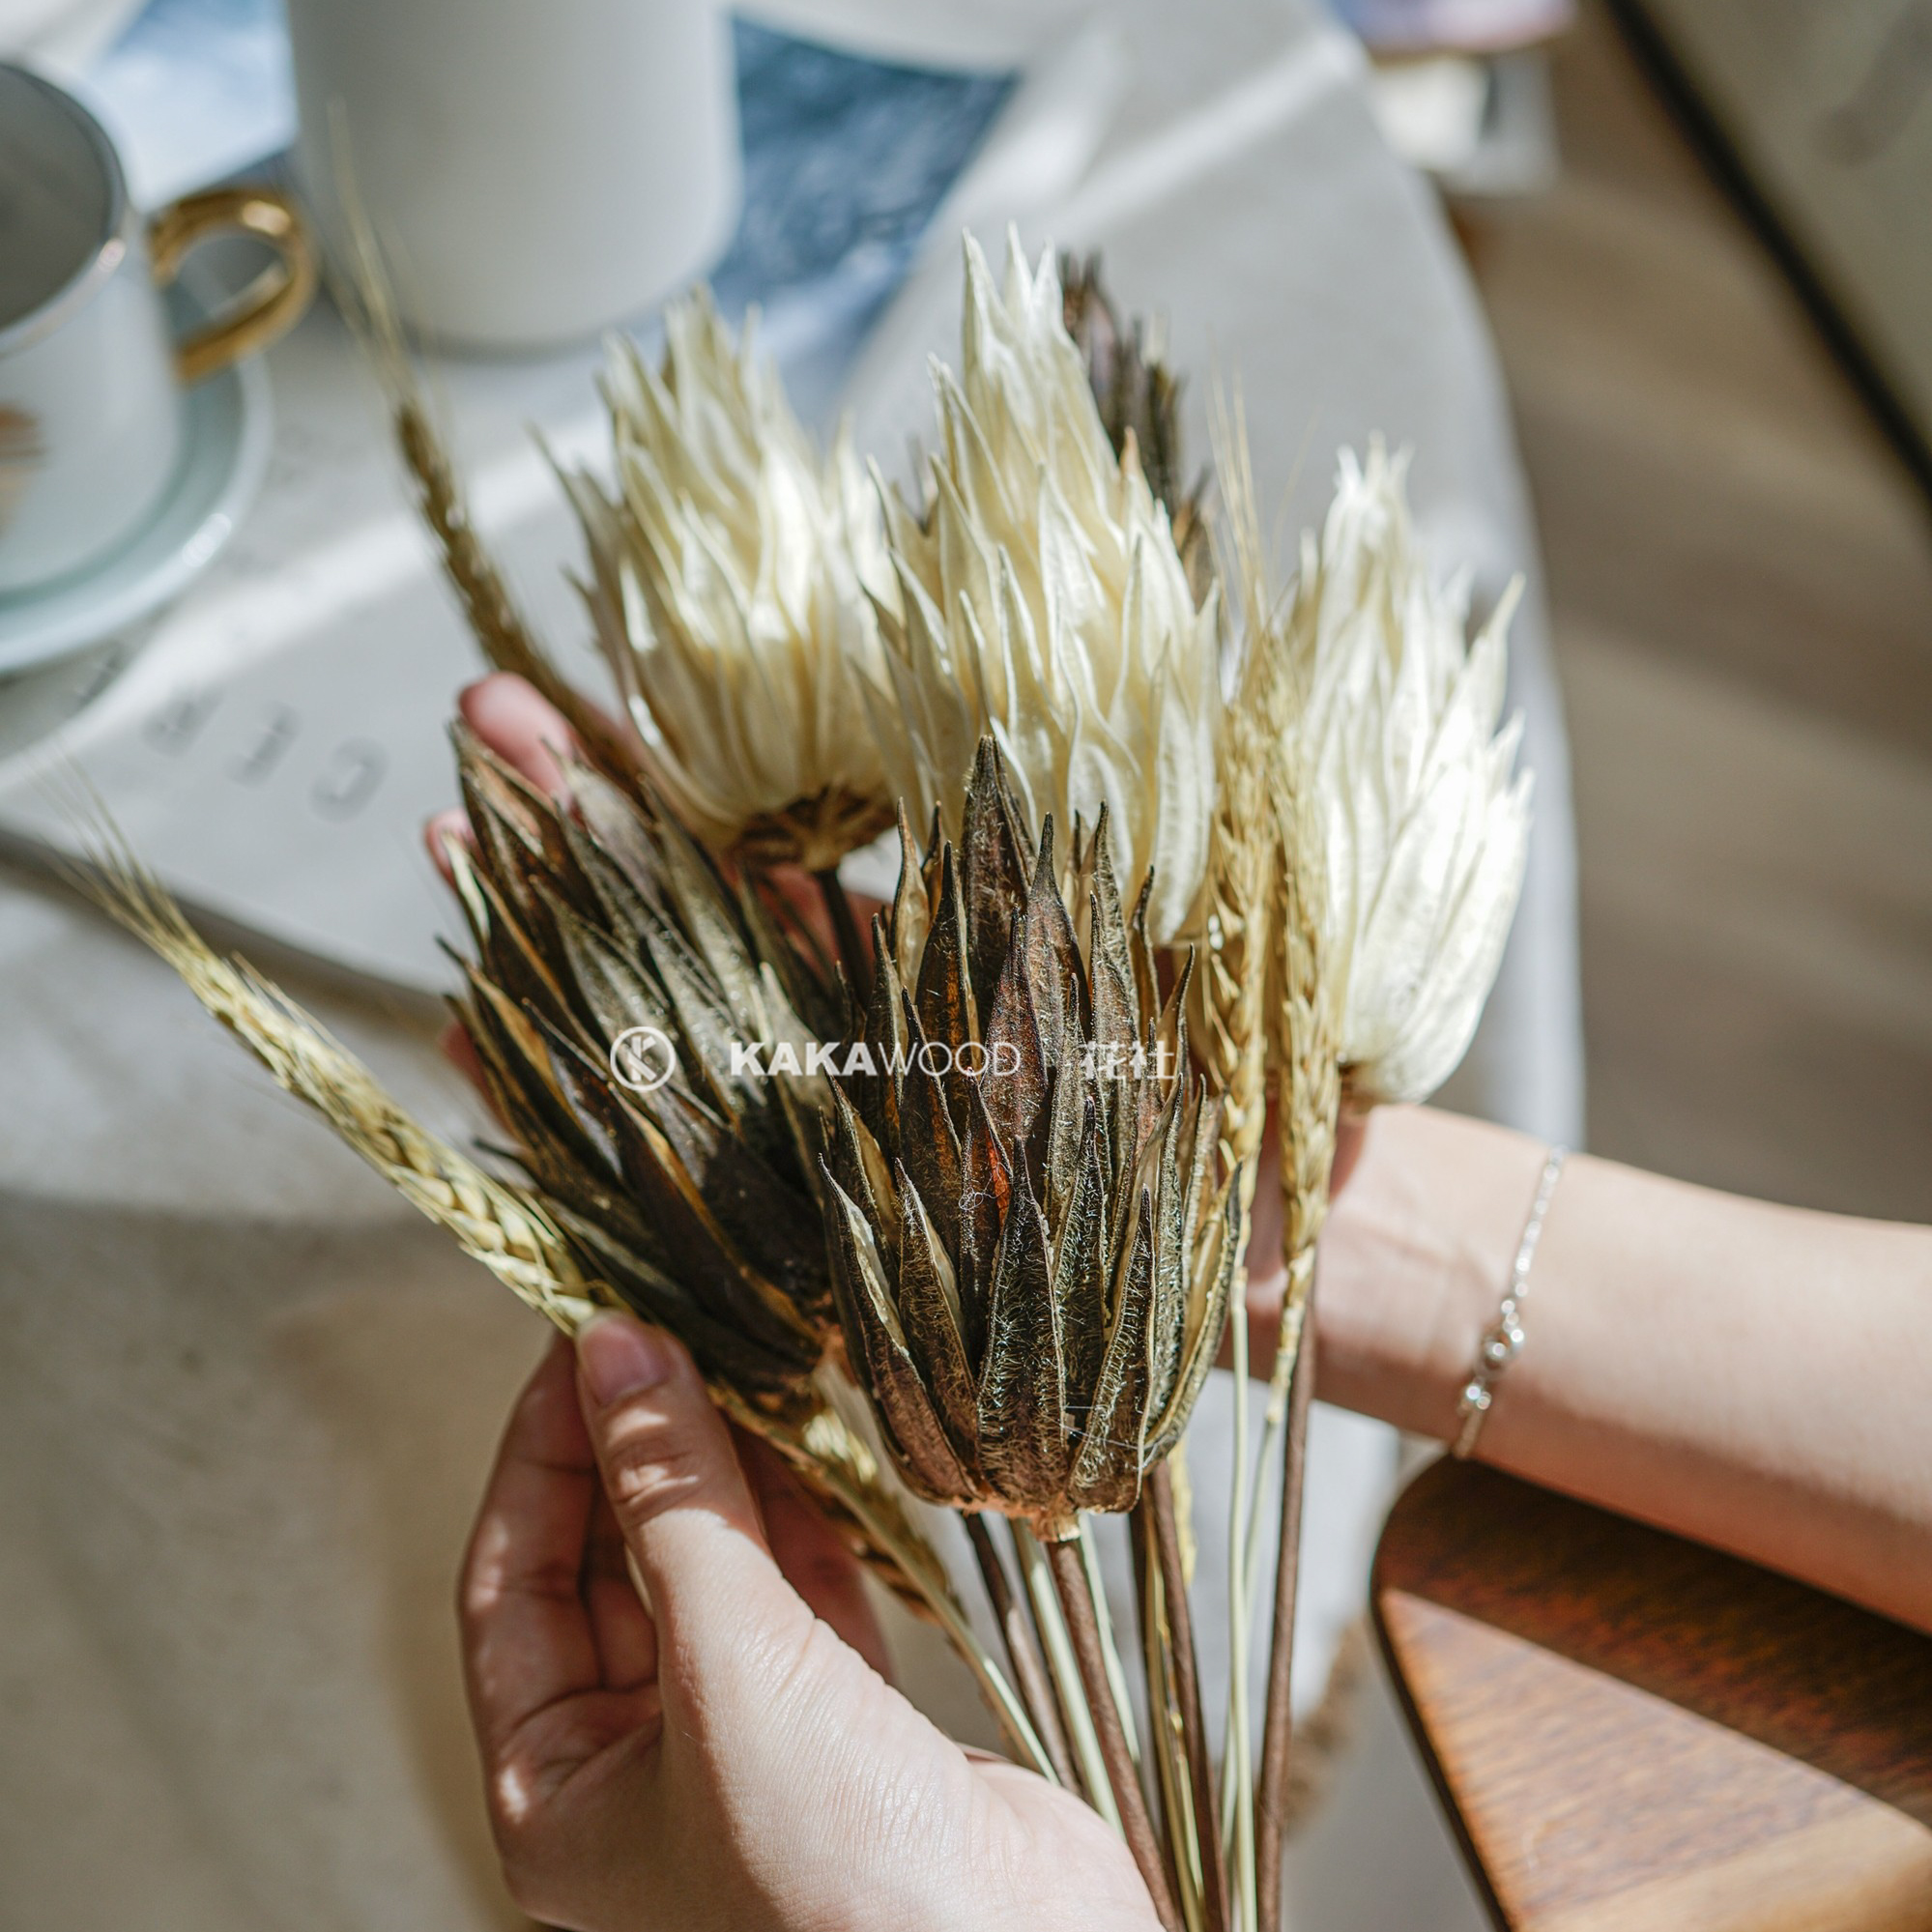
x: 730, y: 574
x: 1425, y: 830
x: 1043, y: 601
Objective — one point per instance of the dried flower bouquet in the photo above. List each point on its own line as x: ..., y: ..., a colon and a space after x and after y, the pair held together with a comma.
x: 955, y: 1214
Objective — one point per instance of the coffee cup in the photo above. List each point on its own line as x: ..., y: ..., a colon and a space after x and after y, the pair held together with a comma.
x: 534, y: 173
x: 92, y: 377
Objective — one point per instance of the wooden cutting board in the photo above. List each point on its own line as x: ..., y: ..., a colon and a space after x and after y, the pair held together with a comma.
x: 1631, y: 1731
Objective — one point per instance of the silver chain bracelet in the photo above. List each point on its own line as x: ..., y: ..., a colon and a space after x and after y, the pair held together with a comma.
x: 1503, y: 1341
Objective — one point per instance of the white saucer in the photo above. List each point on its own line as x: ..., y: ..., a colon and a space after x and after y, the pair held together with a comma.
x: 229, y: 427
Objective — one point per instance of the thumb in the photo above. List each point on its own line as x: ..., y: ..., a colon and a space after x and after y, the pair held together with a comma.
x: 676, y: 1489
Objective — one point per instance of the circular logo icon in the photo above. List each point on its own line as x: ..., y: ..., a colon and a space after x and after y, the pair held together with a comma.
x: 643, y: 1058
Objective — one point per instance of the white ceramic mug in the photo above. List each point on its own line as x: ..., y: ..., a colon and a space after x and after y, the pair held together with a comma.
x: 91, y: 377
x: 532, y: 173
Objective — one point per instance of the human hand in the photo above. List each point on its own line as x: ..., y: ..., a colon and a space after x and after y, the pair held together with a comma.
x: 738, y: 1759
x: 728, y: 1758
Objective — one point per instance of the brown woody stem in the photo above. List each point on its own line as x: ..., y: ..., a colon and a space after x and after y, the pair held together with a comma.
x: 1272, y: 1796
x: 1170, y: 1784
x: 844, y: 930
x: 1135, y: 1823
x: 1029, y: 1670
x: 1157, y: 1509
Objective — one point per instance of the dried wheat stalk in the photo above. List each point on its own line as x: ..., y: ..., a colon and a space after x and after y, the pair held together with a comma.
x: 1309, y: 1084
x: 501, y: 1225
x: 1305, y: 1049
x: 1230, y: 1029
x: 1277, y: 983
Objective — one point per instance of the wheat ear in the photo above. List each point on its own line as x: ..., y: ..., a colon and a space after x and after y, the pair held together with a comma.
x: 1228, y: 1027
x: 1231, y: 984
x: 1303, y: 1023
x: 499, y: 1223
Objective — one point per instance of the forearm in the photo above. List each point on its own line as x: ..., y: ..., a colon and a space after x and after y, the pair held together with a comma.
x: 1754, y: 1376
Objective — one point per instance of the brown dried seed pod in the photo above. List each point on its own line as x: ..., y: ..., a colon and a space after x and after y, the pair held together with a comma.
x: 1030, y: 1245
x: 693, y: 1197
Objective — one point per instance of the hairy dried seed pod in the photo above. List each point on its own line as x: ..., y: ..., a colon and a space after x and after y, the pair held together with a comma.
x: 1030, y: 1242
x: 692, y: 1194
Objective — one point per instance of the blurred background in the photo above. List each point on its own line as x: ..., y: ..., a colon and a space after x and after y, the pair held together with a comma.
x: 1729, y: 487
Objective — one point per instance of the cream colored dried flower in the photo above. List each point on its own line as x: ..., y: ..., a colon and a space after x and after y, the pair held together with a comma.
x: 730, y: 591
x: 1425, y: 830
x: 1043, y: 601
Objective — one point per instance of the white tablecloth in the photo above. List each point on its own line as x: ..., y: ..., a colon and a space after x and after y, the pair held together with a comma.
x: 246, y: 1398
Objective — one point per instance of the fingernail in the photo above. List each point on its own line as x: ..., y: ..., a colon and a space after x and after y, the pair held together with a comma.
x: 619, y: 1357
x: 443, y: 828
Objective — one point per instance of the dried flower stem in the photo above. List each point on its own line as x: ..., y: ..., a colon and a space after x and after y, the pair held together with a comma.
x: 1029, y: 1669
x: 1136, y: 1826
x: 1237, y: 1770
x: 1156, y: 1519
x: 1272, y: 1806
x: 1110, y: 1649
x: 1059, y: 1647
x: 1173, y: 1787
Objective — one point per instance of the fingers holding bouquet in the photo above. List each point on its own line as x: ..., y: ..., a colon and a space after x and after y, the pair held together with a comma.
x: 721, y: 1758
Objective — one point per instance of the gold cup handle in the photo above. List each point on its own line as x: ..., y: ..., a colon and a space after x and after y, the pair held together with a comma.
x: 271, y: 306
